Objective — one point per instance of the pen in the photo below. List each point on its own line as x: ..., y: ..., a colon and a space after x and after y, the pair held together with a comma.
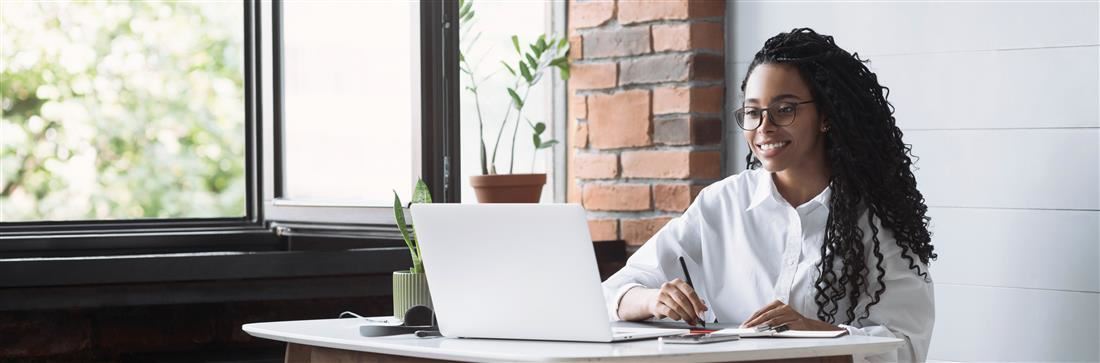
x: 688, y: 276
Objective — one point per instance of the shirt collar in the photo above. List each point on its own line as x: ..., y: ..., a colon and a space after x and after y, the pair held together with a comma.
x: 765, y: 190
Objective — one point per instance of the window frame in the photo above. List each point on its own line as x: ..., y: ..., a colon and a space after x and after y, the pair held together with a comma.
x: 438, y: 144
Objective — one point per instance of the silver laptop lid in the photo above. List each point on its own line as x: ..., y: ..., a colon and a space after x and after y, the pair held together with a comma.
x: 515, y: 271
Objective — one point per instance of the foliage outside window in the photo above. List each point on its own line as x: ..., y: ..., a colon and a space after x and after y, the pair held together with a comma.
x: 122, y: 110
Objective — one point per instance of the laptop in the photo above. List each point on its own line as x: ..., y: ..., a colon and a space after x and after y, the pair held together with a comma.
x: 516, y: 271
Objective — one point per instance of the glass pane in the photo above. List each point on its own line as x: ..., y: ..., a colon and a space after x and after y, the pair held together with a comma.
x: 121, y: 110
x: 486, y: 42
x: 349, y: 94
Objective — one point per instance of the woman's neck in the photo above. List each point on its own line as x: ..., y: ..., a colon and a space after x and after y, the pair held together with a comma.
x: 799, y: 185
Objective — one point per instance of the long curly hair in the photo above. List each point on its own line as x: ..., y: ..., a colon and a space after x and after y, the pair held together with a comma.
x: 870, y: 170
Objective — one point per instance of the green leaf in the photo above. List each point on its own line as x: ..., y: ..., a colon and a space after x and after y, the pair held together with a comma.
x: 536, y: 50
x: 563, y: 42
x: 531, y: 61
x: 548, y: 144
x: 541, y: 43
x: 526, y: 72
x: 461, y: 58
x: 399, y: 217
x: 557, y: 62
x: 515, y: 98
x: 564, y: 72
x: 469, y: 16
x: 510, y: 70
x: 465, y: 7
x: 537, y: 141
x: 540, y: 127
x: 421, y: 194
x: 515, y: 43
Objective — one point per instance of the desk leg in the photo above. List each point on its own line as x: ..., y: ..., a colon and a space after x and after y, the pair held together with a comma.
x: 297, y: 353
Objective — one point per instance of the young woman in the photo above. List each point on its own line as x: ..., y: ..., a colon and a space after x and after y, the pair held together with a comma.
x: 831, y: 234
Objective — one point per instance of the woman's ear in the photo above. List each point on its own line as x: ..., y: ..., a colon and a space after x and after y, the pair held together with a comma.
x: 825, y: 125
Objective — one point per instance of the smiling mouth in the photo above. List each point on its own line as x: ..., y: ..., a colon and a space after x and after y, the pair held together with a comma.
x: 773, y: 146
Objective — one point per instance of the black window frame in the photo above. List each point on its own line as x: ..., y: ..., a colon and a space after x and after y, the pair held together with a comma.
x: 20, y: 241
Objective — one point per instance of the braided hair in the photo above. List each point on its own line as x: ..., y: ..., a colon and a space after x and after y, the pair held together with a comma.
x: 870, y: 170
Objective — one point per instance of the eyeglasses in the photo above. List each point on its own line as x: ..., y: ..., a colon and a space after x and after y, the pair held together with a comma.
x: 780, y: 114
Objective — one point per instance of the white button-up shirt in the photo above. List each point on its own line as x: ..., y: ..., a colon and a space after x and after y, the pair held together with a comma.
x: 745, y: 246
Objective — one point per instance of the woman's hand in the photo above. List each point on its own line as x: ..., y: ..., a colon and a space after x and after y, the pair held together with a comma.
x: 777, y: 313
x: 675, y: 299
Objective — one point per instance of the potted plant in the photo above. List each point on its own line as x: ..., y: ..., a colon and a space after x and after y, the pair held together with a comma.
x: 539, y: 57
x: 410, y: 287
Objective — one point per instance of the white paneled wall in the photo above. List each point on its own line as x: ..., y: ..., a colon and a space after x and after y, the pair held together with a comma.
x: 1001, y: 102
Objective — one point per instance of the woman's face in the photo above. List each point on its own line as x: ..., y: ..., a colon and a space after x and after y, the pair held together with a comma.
x: 792, y: 146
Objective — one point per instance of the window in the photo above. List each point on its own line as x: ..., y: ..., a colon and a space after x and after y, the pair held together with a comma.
x: 122, y: 111
x: 211, y: 125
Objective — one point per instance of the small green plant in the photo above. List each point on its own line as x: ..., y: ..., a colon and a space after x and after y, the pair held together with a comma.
x: 545, y: 54
x: 421, y: 194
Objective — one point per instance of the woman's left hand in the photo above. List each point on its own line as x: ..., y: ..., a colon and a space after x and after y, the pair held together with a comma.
x: 777, y: 313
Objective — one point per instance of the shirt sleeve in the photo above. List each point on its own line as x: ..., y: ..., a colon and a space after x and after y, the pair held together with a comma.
x: 656, y: 262
x: 907, y: 308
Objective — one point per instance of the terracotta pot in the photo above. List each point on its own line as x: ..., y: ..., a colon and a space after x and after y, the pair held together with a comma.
x: 508, y: 188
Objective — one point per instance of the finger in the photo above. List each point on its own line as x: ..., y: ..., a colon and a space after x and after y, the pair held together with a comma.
x: 780, y: 321
x: 684, y: 304
x: 667, y: 311
x: 693, y: 300
x: 668, y: 298
x: 766, y: 308
x: 767, y: 315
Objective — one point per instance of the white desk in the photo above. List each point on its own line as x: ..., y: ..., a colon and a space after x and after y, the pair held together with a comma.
x: 308, y: 339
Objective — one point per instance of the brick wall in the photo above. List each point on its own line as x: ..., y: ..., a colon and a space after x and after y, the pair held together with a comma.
x: 645, y: 110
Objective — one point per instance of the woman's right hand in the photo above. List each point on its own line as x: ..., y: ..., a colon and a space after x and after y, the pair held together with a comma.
x: 674, y: 299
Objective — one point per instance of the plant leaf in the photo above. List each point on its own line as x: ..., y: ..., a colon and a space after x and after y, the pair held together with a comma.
x: 510, y: 70
x: 548, y: 144
x: 541, y: 43
x: 421, y: 194
x: 465, y: 7
x: 515, y: 98
x: 564, y: 72
x: 531, y: 61
x: 563, y: 42
x: 399, y: 217
x: 515, y: 43
x: 557, y: 62
x: 526, y: 72
x: 537, y: 141
x: 540, y: 127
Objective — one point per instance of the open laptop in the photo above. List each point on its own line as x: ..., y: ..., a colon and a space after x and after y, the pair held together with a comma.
x: 516, y: 271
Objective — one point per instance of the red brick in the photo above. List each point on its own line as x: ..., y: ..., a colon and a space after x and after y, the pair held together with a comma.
x: 707, y: 67
x: 637, y: 231
x: 576, y: 47
x: 687, y: 99
x: 617, y: 42
x: 617, y: 197
x: 580, y: 135
x: 595, y: 166
x: 578, y: 105
x: 620, y: 120
x: 674, y: 197
x: 593, y: 75
x: 636, y: 11
x: 604, y: 229
x: 587, y: 14
x: 687, y: 130
x: 672, y: 164
x: 688, y: 36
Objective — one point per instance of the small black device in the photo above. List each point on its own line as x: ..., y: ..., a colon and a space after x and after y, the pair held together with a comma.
x: 698, y: 338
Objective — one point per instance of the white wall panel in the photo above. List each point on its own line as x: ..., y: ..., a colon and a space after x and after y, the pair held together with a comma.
x: 1001, y: 324
x: 1041, y: 249
x: 1043, y: 169
x: 875, y: 28
x: 1054, y: 87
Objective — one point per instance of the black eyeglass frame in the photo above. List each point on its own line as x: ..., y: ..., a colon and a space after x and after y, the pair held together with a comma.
x: 741, y: 120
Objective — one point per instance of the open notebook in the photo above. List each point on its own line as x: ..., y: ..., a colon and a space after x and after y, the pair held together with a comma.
x: 752, y: 333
